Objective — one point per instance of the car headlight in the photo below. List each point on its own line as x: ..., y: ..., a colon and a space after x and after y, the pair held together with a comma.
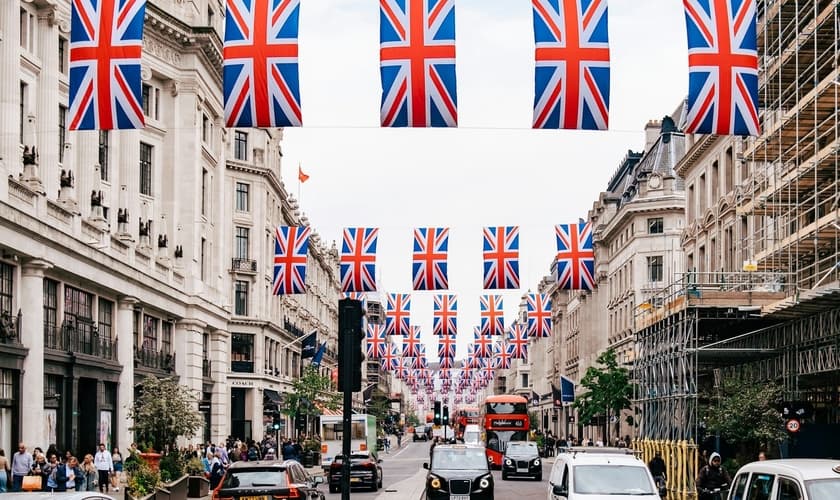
x: 508, y: 461
x: 485, y: 482
x: 537, y: 462
x: 435, y: 483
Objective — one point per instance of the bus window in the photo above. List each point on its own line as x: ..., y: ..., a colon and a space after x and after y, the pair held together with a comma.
x: 504, y: 408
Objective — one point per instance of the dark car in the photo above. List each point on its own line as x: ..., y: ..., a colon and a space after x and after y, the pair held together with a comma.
x: 458, y: 472
x: 420, y: 434
x: 522, y: 458
x: 268, y: 479
x: 364, y: 471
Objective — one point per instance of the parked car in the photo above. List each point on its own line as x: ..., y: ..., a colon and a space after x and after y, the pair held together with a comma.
x: 420, y: 434
x: 522, y: 458
x: 472, y: 435
x: 790, y: 479
x: 595, y: 473
x: 267, y: 479
x: 458, y: 472
x: 365, y: 470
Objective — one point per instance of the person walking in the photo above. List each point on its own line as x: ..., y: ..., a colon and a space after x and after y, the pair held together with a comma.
x: 4, y: 471
x: 90, y: 475
x: 117, y: 460
x: 399, y: 439
x: 104, y: 464
x: 21, y: 466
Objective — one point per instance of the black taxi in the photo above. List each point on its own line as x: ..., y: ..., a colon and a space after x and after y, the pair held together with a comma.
x: 458, y: 472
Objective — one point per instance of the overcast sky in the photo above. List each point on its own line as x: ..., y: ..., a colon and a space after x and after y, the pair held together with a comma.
x: 494, y: 169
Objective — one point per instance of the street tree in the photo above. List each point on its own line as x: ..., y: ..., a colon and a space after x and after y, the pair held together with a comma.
x: 608, y: 391
x: 746, y: 415
x: 379, y: 406
x: 164, y: 411
x: 309, y: 389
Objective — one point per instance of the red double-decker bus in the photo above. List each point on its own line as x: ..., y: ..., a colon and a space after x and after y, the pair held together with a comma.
x: 505, y: 418
x: 465, y: 416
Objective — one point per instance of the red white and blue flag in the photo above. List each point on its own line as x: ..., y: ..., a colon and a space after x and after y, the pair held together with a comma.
x: 501, y: 257
x: 502, y: 356
x: 539, y: 315
x: 446, y: 346
x: 446, y: 362
x: 417, y: 63
x: 261, y: 86
x: 398, y: 314
x: 575, y: 256
x: 357, y: 264
x: 376, y: 341
x: 483, y: 344
x: 411, y: 343
x: 106, y: 40
x: 429, y: 265
x: 492, y: 315
x: 390, y: 357
x: 517, y: 341
x: 572, y: 78
x: 291, y: 244
x: 445, y: 315
x: 722, y: 67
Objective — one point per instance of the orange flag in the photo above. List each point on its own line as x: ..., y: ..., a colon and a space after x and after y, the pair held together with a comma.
x: 301, y: 176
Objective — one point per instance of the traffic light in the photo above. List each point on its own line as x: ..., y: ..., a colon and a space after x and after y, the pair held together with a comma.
x: 445, y: 415
x: 276, y: 424
x: 437, y: 413
x: 300, y: 422
x: 350, y: 336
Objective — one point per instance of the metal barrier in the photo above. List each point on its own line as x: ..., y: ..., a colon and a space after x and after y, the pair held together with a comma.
x: 681, y: 462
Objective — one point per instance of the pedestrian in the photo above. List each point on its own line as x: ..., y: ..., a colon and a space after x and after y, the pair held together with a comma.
x: 104, y: 465
x: 387, y: 442
x: 90, y: 475
x: 4, y: 471
x: 75, y: 476
x: 217, y: 471
x: 54, y: 467
x: 117, y: 460
x: 712, y: 477
x: 658, y: 470
x: 399, y: 439
x: 761, y: 456
x: 21, y: 466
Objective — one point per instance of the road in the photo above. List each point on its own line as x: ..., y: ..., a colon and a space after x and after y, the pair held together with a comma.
x: 404, y: 477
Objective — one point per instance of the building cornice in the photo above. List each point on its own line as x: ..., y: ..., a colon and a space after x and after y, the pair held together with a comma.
x: 703, y: 144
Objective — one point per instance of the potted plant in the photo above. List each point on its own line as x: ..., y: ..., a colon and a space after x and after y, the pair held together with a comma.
x: 199, y: 486
x: 311, y: 452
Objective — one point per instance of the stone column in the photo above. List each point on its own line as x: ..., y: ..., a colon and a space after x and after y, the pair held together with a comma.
x: 220, y: 404
x: 9, y: 94
x: 47, y: 104
x: 188, y: 346
x: 32, y: 336
x: 124, y: 332
x: 129, y: 176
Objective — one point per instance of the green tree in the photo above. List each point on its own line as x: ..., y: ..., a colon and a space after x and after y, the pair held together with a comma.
x: 608, y: 391
x: 745, y: 414
x: 311, y: 388
x: 412, y: 419
x: 163, y: 411
x: 379, y: 406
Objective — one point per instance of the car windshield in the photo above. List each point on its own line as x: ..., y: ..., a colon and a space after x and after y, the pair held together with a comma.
x: 459, y: 458
x: 522, y: 448
x: 820, y: 489
x: 612, y: 480
x: 354, y: 457
x: 255, y: 478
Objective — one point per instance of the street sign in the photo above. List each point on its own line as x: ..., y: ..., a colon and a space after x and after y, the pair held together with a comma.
x: 792, y: 425
x: 203, y: 407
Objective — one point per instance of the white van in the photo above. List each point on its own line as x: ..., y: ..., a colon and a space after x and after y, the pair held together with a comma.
x: 798, y: 479
x: 601, y: 474
x: 472, y: 435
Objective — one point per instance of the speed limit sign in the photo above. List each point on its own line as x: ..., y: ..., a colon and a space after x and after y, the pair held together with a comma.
x: 792, y: 425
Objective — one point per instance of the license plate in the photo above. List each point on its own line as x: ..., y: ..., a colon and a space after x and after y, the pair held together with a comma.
x: 355, y: 480
x: 522, y: 470
x: 254, y: 498
x: 459, y: 497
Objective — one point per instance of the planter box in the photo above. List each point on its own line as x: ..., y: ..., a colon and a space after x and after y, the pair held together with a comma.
x: 198, y: 486
x: 175, y: 490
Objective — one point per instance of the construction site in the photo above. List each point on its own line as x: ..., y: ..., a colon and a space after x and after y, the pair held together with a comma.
x: 765, y: 306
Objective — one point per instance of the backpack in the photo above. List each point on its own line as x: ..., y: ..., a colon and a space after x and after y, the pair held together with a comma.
x: 252, y: 455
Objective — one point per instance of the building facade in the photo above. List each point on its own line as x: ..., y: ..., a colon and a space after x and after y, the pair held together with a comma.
x: 144, y: 252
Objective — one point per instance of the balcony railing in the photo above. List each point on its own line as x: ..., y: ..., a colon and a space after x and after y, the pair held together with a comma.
x: 154, y: 359
x: 79, y: 337
x: 243, y: 266
x: 292, y: 328
x: 10, y: 328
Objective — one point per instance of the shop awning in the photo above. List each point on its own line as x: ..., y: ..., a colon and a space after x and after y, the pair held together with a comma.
x: 272, y: 397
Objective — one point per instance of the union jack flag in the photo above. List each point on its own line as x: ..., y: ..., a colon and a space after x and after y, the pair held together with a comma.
x: 390, y: 357
x: 429, y: 266
x: 539, y: 315
x: 575, y: 256
x: 398, y: 314
x: 518, y: 341
x: 501, y: 257
x: 260, y: 69
x: 446, y: 346
x: 403, y: 367
x: 445, y: 315
x: 421, y: 361
x: 572, y: 76
x: 722, y: 67
x: 360, y: 296
x: 411, y: 343
x: 106, y: 39
x: 502, y: 356
x: 492, y: 315
x: 290, y: 246
x: 357, y: 265
x: 376, y: 341
x: 417, y: 63
x: 446, y: 362
x: 483, y: 344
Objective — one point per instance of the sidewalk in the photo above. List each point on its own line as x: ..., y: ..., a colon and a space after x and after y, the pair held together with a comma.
x: 407, y: 489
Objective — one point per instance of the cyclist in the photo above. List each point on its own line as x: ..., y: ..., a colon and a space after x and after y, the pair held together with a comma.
x: 658, y: 469
x: 712, y: 479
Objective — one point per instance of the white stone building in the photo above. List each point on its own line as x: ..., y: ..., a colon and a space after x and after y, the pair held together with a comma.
x: 146, y: 252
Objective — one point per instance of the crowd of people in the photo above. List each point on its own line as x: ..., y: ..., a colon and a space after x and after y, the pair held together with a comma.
x: 56, y: 471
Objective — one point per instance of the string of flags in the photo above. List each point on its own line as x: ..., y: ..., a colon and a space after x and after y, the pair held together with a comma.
x: 261, y: 83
